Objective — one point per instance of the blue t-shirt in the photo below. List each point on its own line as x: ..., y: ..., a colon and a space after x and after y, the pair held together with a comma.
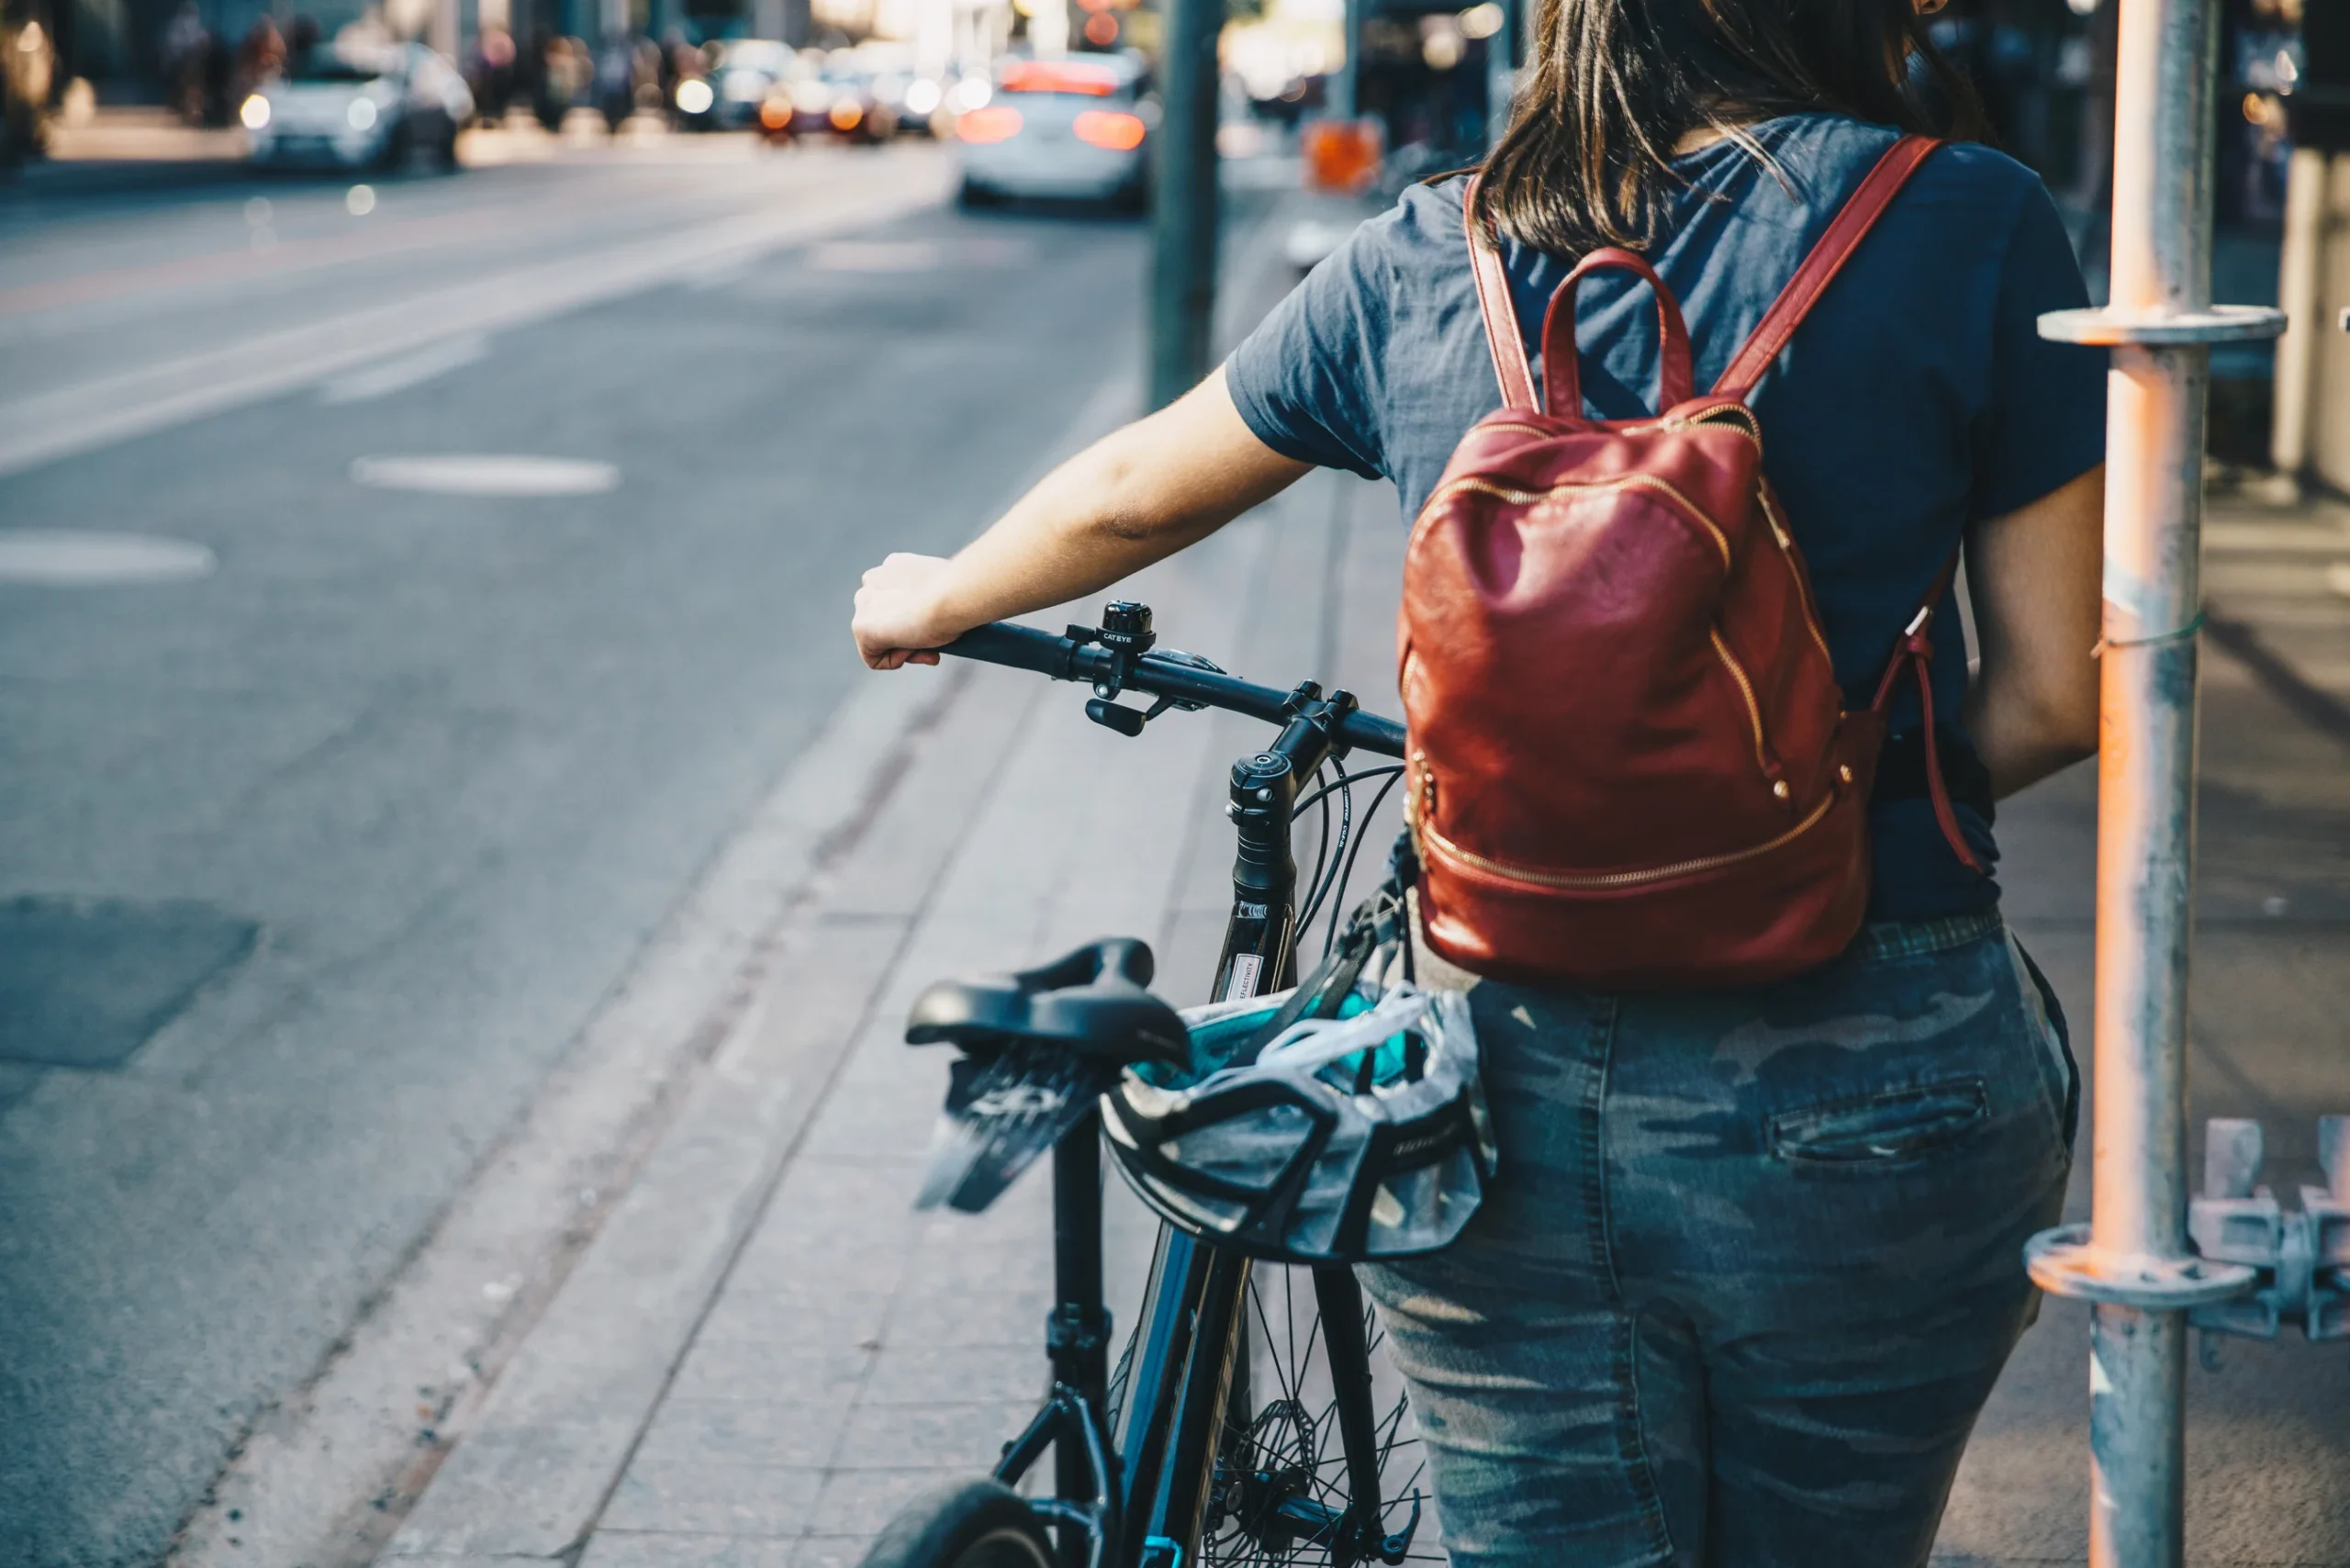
x: 1918, y: 397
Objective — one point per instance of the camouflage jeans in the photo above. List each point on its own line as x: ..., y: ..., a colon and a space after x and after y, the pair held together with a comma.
x: 1751, y: 1264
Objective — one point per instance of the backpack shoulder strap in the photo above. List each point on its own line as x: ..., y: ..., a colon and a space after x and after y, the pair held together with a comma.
x: 1502, y: 336
x: 1828, y: 257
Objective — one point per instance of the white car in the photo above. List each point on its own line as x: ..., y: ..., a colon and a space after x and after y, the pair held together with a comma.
x: 359, y: 106
x: 1074, y: 130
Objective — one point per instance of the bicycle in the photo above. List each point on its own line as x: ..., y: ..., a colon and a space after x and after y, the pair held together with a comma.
x: 1219, y: 1438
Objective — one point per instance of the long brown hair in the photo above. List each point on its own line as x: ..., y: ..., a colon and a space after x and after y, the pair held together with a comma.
x: 1615, y: 84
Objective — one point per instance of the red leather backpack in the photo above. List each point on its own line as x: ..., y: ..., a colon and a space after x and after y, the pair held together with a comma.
x: 1631, y: 766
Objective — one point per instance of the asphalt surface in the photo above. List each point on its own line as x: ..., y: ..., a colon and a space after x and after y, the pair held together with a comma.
x: 311, y: 867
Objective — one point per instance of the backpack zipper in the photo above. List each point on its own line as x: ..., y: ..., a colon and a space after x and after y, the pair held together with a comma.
x: 1753, y: 708
x: 1737, y: 414
x: 1527, y: 498
x: 1802, y: 588
x: 1425, y: 829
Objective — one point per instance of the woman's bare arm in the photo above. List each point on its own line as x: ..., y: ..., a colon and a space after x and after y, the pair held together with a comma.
x: 2035, y: 579
x: 1135, y: 497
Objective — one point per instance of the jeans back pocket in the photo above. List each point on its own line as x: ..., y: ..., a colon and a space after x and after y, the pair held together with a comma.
x: 1894, y: 1127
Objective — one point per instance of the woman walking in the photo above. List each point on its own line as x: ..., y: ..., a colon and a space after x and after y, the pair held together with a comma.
x: 1753, y: 1263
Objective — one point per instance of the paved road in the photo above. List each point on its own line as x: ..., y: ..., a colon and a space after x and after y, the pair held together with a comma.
x: 312, y: 866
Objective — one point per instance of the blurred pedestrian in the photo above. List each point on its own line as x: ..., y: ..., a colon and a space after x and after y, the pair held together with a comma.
x: 260, y: 57
x: 556, y: 87
x: 489, y: 70
x: 614, y: 82
x: 1752, y: 1259
x: 186, y: 50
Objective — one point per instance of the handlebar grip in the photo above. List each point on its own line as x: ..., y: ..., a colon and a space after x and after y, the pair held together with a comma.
x: 1020, y: 648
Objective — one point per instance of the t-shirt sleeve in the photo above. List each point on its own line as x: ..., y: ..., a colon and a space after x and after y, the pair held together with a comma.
x: 1307, y: 380
x: 2043, y: 425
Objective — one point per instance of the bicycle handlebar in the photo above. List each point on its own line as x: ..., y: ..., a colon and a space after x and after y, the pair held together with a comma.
x: 1066, y: 658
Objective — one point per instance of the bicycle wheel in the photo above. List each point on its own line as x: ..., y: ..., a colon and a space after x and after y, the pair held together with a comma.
x: 1283, y: 1491
x: 967, y: 1524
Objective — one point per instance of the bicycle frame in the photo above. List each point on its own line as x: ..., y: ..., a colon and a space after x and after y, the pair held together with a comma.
x: 1142, y: 1502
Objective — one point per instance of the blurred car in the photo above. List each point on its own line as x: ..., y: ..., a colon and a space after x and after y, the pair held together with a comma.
x: 741, y: 75
x: 370, y: 106
x: 1075, y: 130
x: 839, y: 103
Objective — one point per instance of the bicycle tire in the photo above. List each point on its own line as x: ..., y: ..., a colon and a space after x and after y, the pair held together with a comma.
x: 964, y: 1524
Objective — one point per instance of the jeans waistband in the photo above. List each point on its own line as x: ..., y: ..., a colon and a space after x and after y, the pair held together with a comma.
x: 1905, y: 938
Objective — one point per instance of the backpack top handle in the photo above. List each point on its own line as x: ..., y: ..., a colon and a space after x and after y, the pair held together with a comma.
x: 1561, y: 366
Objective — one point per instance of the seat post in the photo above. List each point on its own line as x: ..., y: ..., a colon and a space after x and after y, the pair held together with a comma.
x: 1077, y: 1335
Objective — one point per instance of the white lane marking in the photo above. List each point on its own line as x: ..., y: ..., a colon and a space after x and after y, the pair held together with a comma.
x: 487, y: 473
x: 404, y: 371
x: 2337, y: 577
x: 60, y: 558
x: 95, y: 414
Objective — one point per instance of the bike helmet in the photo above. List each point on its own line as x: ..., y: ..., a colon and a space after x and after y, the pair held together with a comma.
x: 1344, y: 1140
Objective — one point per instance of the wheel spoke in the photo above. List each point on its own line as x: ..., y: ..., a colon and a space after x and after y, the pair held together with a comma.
x: 1287, y: 1449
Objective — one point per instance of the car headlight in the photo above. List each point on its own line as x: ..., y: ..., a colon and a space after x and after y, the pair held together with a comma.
x: 254, y: 113
x: 921, y: 97
x: 360, y: 114
x: 694, y: 96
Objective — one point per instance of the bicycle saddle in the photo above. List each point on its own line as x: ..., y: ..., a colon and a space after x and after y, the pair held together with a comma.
x: 1091, y: 1003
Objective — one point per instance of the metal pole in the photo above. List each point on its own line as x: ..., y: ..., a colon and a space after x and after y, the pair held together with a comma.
x: 1501, y: 73
x: 2133, y: 1263
x: 1183, y: 202
x: 2299, y: 287
x: 1346, y: 88
x: 2155, y: 398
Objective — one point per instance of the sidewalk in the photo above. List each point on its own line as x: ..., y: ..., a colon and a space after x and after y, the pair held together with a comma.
x: 851, y: 1352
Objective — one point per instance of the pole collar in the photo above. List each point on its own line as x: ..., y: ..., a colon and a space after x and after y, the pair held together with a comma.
x: 2063, y: 1262
x: 2163, y: 327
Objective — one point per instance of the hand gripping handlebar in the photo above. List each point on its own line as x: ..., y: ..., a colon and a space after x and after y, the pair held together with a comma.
x: 1118, y: 656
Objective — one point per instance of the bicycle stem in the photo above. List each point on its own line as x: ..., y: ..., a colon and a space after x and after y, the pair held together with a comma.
x: 1259, y: 946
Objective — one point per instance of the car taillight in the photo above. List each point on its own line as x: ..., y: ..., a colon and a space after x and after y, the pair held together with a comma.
x: 995, y: 123
x: 1112, y: 132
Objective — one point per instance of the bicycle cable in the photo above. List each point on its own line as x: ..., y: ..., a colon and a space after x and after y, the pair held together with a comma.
x: 1319, y: 888
x: 1330, y: 937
